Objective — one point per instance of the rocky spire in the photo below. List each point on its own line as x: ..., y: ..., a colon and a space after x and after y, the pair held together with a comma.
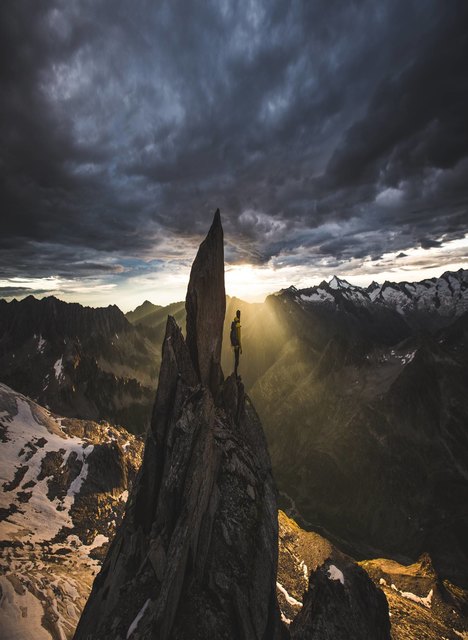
x: 206, y: 306
x: 196, y: 555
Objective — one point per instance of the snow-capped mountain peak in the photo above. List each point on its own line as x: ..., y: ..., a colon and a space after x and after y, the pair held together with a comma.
x: 437, y: 300
x: 338, y: 283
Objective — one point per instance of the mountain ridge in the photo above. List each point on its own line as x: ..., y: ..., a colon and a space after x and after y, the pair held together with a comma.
x: 442, y: 299
x: 82, y: 362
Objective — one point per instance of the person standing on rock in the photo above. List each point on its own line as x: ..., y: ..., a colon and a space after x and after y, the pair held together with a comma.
x: 236, y: 339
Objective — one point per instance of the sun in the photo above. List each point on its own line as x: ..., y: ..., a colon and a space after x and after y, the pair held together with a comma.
x: 252, y: 283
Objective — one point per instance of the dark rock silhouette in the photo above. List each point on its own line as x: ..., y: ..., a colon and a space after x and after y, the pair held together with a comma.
x: 206, y: 307
x: 196, y: 555
x: 342, y: 603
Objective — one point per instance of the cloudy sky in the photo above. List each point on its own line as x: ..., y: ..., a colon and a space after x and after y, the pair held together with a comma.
x: 332, y: 135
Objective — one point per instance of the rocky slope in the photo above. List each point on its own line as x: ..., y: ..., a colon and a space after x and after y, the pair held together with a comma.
x: 365, y: 419
x: 196, y: 554
x: 80, y: 362
x: 151, y: 319
x: 63, y: 488
x: 325, y: 593
x: 64, y: 485
x: 420, y: 603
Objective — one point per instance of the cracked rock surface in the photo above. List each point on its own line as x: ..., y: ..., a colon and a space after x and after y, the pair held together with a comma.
x: 196, y: 555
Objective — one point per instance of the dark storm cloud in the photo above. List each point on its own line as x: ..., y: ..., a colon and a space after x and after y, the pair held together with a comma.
x: 8, y: 292
x: 430, y: 244
x: 319, y: 128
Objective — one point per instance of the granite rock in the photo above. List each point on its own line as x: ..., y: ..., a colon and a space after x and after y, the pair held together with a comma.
x: 206, y: 307
x: 196, y: 555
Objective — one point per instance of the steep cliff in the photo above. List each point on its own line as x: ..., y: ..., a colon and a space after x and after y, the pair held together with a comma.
x: 196, y: 555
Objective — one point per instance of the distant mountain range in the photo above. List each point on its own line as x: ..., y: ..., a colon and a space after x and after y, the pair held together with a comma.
x: 431, y: 303
x: 361, y: 391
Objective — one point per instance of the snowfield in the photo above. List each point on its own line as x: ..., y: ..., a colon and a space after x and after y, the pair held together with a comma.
x: 46, y: 569
x: 30, y: 435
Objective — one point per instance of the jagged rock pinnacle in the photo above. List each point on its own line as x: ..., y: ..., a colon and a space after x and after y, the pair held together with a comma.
x: 196, y: 554
x: 206, y: 306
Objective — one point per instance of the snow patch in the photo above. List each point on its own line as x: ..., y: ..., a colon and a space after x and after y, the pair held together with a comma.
x: 289, y: 599
x: 425, y: 601
x: 335, y: 574
x: 39, y: 519
x: 41, y: 344
x: 318, y: 296
x: 21, y: 614
x: 136, y: 622
x: 58, y: 368
x: 78, y: 481
x: 46, y: 382
x: 408, y: 357
x: 284, y: 619
x: 336, y: 283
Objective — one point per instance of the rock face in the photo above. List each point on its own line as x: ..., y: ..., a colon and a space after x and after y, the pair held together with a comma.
x: 196, y: 555
x: 342, y: 603
x: 206, y: 307
x: 80, y: 362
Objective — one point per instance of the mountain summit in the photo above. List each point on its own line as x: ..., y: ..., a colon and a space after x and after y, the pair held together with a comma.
x: 196, y: 555
x: 206, y: 307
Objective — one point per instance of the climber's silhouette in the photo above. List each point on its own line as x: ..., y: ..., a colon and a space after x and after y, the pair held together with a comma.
x: 236, y: 339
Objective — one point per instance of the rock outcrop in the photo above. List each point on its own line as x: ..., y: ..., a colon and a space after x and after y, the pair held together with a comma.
x: 342, y: 603
x: 196, y: 555
x: 323, y: 593
x: 206, y: 307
